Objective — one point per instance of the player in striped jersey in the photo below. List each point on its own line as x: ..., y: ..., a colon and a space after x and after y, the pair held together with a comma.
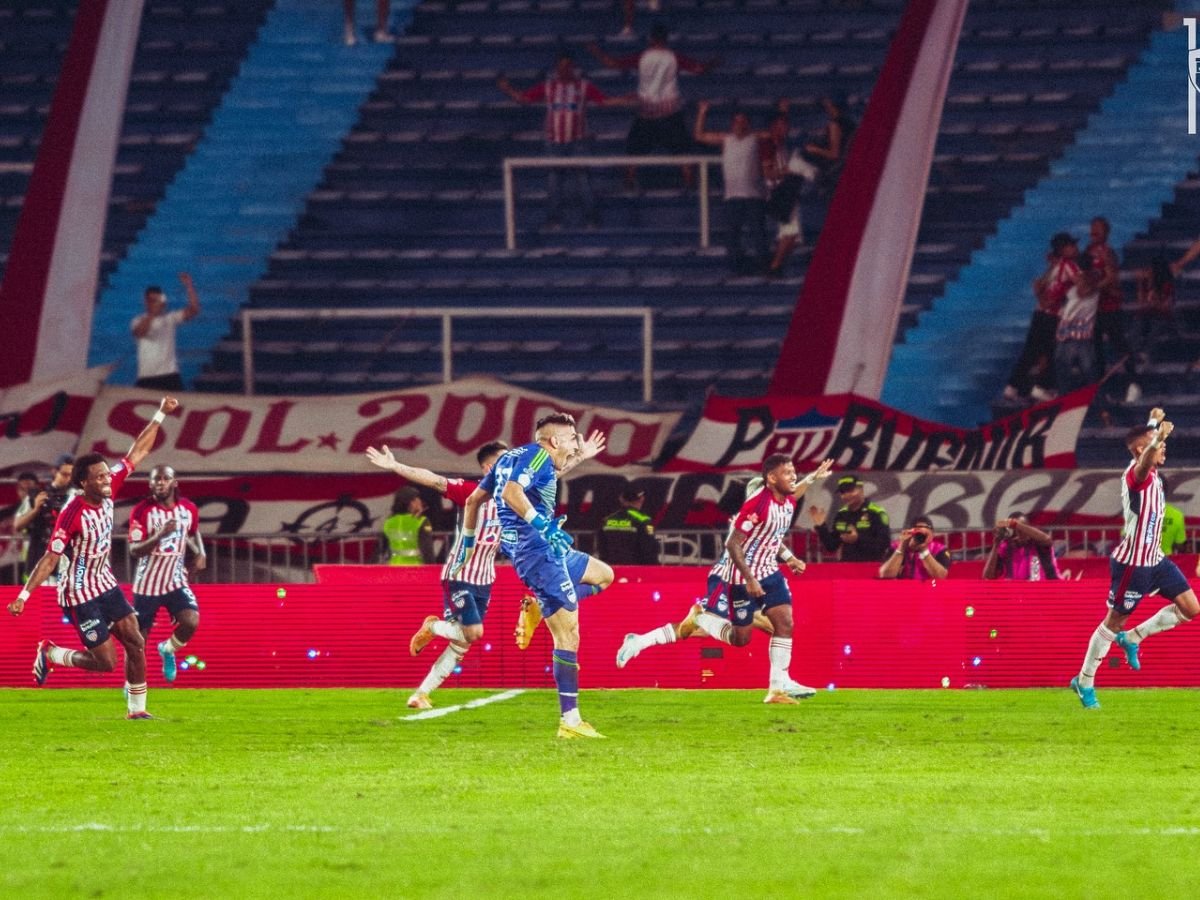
x: 161, y: 530
x: 1137, y: 565
x: 748, y: 575
x: 466, y: 593
x: 87, y: 588
x: 524, y: 484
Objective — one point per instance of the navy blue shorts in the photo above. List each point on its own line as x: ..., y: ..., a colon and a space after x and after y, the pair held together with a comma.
x: 93, y: 619
x: 552, y: 580
x: 732, y: 602
x: 466, y: 603
x: 175, y: 602
x: 1131, y: 583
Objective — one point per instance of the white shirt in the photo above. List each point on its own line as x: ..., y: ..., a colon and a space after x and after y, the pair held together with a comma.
x: 741, y: 168
x: 156, y: 349
x: 658, y: 83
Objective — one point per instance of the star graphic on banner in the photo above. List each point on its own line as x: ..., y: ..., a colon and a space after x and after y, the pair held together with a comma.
x: 330, y: 440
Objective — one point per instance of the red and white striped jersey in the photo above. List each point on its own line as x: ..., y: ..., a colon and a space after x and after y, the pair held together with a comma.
x: 1142, y: 505
x: 163, y: 569
x: 764, y: 521
x: 566, y: 107
x: 83, y: 536
x: 481, y: 567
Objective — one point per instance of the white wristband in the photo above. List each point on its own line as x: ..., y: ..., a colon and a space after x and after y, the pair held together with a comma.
x: 158, y: 417
x: 923, y: 554
x: 23, y: 595
x: 530, y: 514
x: 785, y: 554
x: 468, y: 532
x: 1152, y: 423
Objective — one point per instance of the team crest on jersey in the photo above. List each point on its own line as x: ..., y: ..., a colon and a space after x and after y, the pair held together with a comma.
x: 91, y: 635
x: 722, y: 604
x: 460, y: 599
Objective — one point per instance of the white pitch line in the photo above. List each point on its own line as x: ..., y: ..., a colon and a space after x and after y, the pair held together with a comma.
x: 473, y: 704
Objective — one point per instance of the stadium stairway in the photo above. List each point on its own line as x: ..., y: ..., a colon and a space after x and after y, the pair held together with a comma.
x: 409, y: 213
x: 295, y: 96
x: 1110, y: 170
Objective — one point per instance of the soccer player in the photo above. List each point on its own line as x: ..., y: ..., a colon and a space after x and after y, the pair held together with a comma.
x: 161, y: 529
x: 523, y: 483
x: 748, y: 575
x: 88, y: 589
x: 1138, y: 566
x: 465, y: 595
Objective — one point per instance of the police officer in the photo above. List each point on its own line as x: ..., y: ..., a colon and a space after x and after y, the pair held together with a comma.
x: 407, y: 533
x: 860, y: 530
x: 627, y: 536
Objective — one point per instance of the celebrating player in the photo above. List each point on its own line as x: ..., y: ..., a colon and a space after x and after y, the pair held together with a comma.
x: 523, y: 483
x: 161, y: 529
x: 465, y: 596
x: 1138, y: 566
x: 748, y: 575
x: 88, y: 589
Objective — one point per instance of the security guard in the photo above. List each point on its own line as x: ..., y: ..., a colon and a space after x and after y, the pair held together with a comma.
x: 860, y: 529
x: 627, y: 536
x: 407, y: 534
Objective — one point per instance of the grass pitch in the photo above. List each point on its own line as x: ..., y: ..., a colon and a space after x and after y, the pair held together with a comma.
x: 695, y: 794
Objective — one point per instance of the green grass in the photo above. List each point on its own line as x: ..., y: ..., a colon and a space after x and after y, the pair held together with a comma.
x: 695, y: 794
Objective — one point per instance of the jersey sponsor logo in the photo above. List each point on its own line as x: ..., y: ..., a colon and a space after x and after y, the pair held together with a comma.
x: 89, y: 624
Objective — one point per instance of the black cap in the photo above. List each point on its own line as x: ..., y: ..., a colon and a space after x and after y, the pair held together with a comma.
x: 923, y: 520
x: 848, y: 483
x: 632, y: 495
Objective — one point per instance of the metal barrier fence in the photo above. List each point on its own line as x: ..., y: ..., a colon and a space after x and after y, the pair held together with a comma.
x: 276, y: 558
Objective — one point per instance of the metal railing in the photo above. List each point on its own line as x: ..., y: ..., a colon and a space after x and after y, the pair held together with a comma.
x: 281, y: 558
x: 512, y: 163
x: 447, y: 315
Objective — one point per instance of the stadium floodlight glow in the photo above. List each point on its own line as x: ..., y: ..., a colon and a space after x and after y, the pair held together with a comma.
x: 970, y: 611
x: 487, y: 647
x: 976, y: 661
x: 313, y: 654
x: 458, y: 670
x: 656, y: 596
x: 846, y: 650
x: 992, y: 634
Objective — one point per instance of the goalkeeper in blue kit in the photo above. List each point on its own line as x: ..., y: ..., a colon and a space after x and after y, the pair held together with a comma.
x: 524, y: 483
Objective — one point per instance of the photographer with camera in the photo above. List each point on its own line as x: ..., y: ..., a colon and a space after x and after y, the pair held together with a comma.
x: 917, y: 555
x: 1021, y: 552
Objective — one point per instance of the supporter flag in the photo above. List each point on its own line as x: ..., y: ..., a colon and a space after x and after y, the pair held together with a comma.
x: 49, y: 287
x: 840, y: 336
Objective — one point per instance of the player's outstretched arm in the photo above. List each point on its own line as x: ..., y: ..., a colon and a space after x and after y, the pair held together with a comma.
x: 588, y: 449
x: 822, y: 471
x: 424, y: 477
x: 144, y: 442
x: 1145, y: 460
x: 43, y: 570
x: 200, y: 560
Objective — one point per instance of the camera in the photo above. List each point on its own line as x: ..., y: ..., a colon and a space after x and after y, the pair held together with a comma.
x: 919, y: 537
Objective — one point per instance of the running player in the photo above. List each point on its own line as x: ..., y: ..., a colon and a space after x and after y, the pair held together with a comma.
x: 465, y: 596
x: 88, y: 589
x: 523, y: 483
x: 748, y: 575
x: 161, y: 529
x: 1138, y: 566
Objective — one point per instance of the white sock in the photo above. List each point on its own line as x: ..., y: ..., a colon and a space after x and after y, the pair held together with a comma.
x: 442, y: 668
x: 1166, y: 618
x: 714, y: 626
x: 664, y: 634
x: 171, y: 645
x: 137, y: 697
x: 451, y: 631
x: 572, y: 717
x: 1098, y: 648
x: 60, y: 656
x: 780, y: 654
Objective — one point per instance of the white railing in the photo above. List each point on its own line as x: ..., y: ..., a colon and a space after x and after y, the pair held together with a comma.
x: 448, y: 314
x: 513, y: 163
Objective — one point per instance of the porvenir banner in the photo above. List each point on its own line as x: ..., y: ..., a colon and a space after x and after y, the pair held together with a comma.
x: 312, y: 505
x: 737, y: 434
x: 439, y: 427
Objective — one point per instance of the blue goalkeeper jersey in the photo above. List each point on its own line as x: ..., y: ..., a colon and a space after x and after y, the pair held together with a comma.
x: 531, y: 467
